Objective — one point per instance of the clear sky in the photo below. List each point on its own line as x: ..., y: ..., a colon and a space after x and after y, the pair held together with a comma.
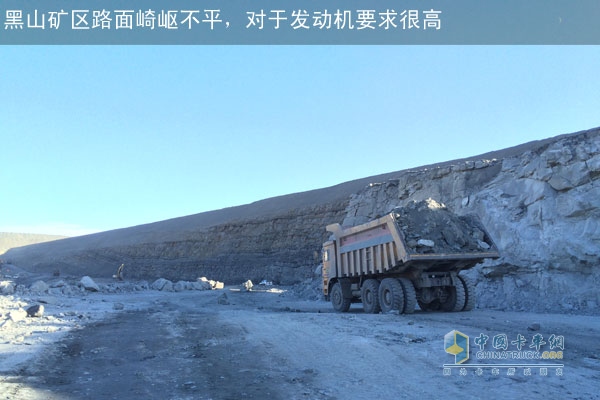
x: 98, y: 138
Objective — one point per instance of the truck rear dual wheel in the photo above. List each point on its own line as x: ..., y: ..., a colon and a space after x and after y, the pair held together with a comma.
x: 369, y: 294
x: 391, y: 295
x: 410, y: 295
x: 469, y: 287
x: 455, y: 301
x: 340, y: 304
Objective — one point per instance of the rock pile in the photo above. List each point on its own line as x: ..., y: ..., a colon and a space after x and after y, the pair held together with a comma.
x: 86, y: 285
x: 35, y: 311
x: 202, y: 283
x: 429, y: 227
x: 12, y: 311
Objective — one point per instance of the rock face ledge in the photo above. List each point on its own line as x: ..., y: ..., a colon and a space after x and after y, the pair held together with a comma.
x: 541, y: 207
x: 540, y: 202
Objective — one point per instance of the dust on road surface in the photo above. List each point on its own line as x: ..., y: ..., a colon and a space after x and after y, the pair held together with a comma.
x: 273, y: 345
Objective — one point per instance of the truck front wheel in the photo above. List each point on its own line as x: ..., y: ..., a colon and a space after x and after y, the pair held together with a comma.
x: 340, y: 304
x: 391, y: 295
x: 369, y: 294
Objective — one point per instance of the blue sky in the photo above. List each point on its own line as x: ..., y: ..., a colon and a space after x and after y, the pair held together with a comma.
x: 98, y: 138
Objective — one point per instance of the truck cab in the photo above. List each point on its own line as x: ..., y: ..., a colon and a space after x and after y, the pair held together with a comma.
x: 329, y: 266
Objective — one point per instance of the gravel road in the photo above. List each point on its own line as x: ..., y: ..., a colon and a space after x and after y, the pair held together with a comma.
x: 273, y: 344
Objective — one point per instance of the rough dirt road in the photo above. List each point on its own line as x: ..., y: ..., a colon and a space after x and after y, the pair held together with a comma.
x: 270, y: 345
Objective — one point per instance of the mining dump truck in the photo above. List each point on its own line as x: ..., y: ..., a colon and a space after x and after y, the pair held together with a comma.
x: 413, y: 255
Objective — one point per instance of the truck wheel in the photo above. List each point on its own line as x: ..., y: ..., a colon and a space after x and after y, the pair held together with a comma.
x: 391, y: 295
x: 470, y: 295
x: 369, y: 294
x: 455, y: 300
x: 340, y: 304
x: 410, y: 295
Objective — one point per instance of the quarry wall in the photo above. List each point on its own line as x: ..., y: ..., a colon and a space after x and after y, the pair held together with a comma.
x: 541, y: 205
x: 542, y: 208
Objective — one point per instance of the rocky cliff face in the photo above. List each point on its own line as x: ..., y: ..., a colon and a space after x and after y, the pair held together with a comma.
x: 540, y: 203
x: 541, y: 207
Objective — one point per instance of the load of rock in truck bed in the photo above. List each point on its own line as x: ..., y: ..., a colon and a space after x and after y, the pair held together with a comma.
x: 429, y: 227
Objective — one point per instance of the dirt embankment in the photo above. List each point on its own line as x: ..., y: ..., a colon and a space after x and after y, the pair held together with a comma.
x: 11, y: 240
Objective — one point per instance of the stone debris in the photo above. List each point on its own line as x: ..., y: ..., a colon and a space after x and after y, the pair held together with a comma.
x: 429, y: 227
x: 39, y: 287
x: 88, y: 284
x: 58, y: 284
x: 219, y: 285
x: 180, y: 286
x: 247, y: 286
x: 202, y: 283
x: 213, y: 284
x: 223, y: 300
x: 118, y: 306
x: 162, y: 284
x: 199, y: 285
x: 71, y: 287
x: 483, y: 245
x: 426, y: 243
x: 35, y: 311
x: 7, y: 287
x: 534, y: 327
x: 17, y: 315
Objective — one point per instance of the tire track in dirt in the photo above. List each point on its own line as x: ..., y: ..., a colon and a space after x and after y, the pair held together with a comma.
x: 161, y: 353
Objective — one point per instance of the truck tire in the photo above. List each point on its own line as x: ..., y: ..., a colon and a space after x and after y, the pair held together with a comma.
x: 391, y: 295
x: 470, y: 295
x: 340, y: 304
x: 410, y: 295
x: 456, y: 298
x: 369, y: 294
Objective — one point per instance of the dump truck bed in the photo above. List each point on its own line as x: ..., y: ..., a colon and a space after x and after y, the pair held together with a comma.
x: 420, y: 240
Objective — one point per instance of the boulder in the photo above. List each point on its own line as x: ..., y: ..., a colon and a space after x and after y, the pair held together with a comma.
x: 222, y: 299
x: 425, y: 243
x: 35, y: 311
x: 198, y: 285
x: 247, y: 286
x: 58, y: 284
x: 180, y: 286
x: 88, y: 284
x: 218, y: 285
x: 212, y: 284
x: 7, y: 287
x: 39, y: 287
x: 534, y: 327
x: 162, y: 284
